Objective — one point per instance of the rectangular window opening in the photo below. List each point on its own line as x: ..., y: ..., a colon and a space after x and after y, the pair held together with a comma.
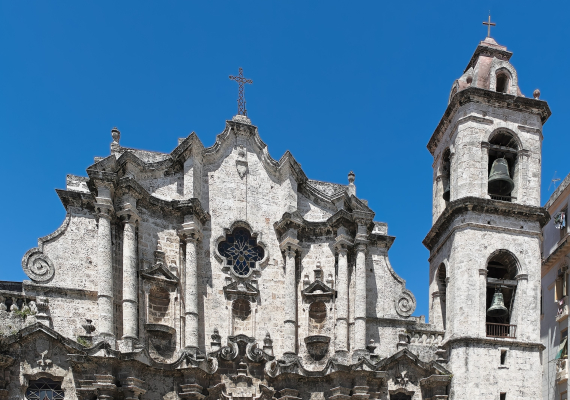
x: 503, y: 357
x: 503, y: 396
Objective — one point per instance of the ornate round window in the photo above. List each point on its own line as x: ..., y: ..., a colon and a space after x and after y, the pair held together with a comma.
x: 241, y: 251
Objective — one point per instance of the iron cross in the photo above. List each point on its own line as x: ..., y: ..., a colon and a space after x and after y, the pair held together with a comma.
x: 489, y: 24
x: 241, y: 97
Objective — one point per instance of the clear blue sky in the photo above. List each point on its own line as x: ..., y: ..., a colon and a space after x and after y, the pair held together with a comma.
x: 343, y: 85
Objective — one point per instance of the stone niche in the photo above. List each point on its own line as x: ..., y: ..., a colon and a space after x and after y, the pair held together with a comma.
x: 160, y: 295
x: 317, y: 296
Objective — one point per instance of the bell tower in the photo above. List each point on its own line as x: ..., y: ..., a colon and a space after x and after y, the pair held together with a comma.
x: 485, y: 241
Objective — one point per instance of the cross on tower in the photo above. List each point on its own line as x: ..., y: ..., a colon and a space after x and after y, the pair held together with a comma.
x: 489, y: 24
x: 241, y: 97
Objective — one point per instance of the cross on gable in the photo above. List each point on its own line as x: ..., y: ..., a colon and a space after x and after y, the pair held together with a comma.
x: 242, y: 110
x: 489, y: 25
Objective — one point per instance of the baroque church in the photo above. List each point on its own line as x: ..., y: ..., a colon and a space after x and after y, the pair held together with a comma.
x: 221, y: 273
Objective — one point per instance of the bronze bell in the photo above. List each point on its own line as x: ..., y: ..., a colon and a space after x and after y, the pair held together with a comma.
x: 500, y: 182
x: 497, y: 308
x: 446, y: 191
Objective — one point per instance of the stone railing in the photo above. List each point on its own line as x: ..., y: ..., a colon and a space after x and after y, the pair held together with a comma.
x: 427, y: 338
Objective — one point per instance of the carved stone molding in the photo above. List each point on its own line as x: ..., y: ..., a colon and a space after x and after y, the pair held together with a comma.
x: 37, y: 265
x: 405, y: 303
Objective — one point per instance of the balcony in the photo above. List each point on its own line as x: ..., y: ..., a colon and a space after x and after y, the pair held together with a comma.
x: 505, y: 331
x: 562, y: 309
x: 561, y: 370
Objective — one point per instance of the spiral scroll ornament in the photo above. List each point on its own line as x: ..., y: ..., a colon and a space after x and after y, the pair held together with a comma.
x: 38, y: 266
x: 405, y: 304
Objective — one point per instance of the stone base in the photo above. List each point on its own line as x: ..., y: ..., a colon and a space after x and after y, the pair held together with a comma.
x: 342, y: 357
x: 358, y: 354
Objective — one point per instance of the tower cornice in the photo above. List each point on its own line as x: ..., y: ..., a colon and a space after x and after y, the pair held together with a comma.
x: 489, y: 206
x: 489, y: 97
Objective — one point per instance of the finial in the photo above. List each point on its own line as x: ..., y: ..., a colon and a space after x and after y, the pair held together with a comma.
x: 536, y: 94
x: 489, y: 24
x: 116, y: 134
x: 351, y: 185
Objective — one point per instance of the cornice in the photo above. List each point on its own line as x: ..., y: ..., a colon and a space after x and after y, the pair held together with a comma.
x: 342, y: 218
x: 489, y: 206
x: 483, y: 96
x: 468, y: 340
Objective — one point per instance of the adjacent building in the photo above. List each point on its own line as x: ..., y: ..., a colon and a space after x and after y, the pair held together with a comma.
x: 554, y: 309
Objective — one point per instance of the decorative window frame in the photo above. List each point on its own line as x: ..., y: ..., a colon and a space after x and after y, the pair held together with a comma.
x: 254, y: 234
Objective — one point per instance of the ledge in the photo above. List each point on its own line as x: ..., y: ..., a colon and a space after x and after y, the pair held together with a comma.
x: 480, y: 205
x: 64, y: 291
x: 484, y: 96
x: 492, y: 341
x: 160, y: 328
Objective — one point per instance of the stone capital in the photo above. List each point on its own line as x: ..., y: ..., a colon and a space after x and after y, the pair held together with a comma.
x: 520, y: 277
x: 128, y: 214
x: 289, y: 244
x: 104, y: 207
x: 342, y: 243
x: 360, y: 244
x: 483, y: 272
x: 191, y: 229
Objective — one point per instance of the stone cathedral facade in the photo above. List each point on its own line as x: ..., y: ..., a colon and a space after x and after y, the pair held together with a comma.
x: 219, y: 272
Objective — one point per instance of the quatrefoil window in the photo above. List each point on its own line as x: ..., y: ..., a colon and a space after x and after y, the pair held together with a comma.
x: 241, y: 251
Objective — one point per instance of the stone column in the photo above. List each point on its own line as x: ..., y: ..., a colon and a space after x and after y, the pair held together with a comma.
x: 484, y: 170
x: 130, y: 276
x: 191, y: 234
x: 482, y: 301
x: 104, y: 208
x: 360, y: 298
x: 341, y: 326
x: 290, y: 246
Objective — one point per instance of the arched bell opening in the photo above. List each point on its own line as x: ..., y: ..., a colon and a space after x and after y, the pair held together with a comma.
x: 446, y: 174
x: 502, y: 167
x: 503, y: 81
x: 502, y: 269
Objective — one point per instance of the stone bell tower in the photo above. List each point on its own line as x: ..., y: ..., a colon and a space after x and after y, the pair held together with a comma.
x: 485, y: 241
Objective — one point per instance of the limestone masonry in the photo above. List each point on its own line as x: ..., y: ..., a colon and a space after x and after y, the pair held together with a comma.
x: 222, y: 273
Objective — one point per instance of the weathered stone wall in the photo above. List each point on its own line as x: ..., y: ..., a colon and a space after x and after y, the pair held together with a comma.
x: 477, y: 362
x: 472, y: 124
x: 471, y: 239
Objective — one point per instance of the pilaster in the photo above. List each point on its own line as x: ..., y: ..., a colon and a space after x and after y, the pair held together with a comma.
x: 360, y: 242
x: 191, y: 234
x: 129, y: 216
x: 290, y: 246
x: 105, y: 210
x: 342, y: 244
